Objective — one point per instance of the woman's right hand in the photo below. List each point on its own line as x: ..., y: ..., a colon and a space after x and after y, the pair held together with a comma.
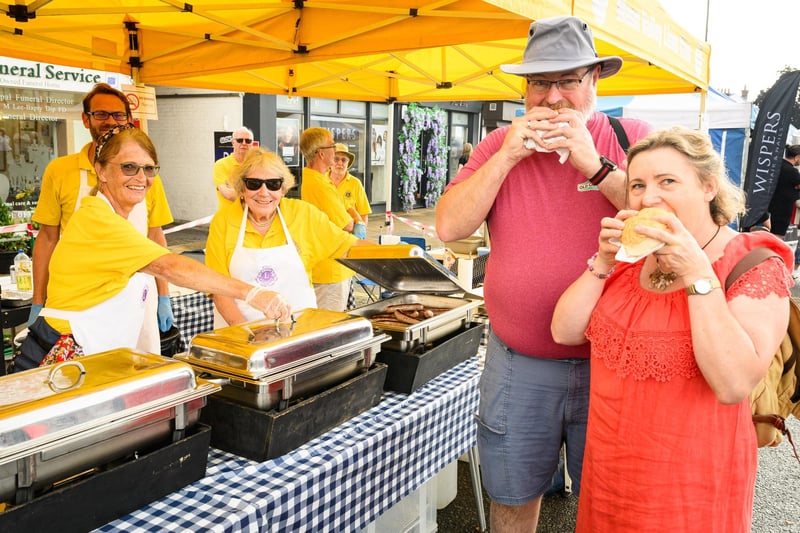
x: 272, y: 304
x: 609, y: 238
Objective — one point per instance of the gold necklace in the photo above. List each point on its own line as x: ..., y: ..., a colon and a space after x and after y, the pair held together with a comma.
x: 660, y: 280
x: 259, y: 224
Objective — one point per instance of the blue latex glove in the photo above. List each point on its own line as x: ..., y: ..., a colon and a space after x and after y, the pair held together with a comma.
x: 360, y: 230
x: 35, y: 308
x: 165, y: 316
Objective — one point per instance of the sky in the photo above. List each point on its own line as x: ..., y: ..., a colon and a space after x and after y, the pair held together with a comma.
x: 751, y: 40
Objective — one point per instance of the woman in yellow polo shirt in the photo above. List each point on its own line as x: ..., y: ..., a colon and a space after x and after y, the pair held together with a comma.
x: 269, y: 240
x: 100, y: 266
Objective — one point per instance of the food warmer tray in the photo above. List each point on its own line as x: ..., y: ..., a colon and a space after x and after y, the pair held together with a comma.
x: 423, y: 280
x: 61, y: 420
x: 264, y: 364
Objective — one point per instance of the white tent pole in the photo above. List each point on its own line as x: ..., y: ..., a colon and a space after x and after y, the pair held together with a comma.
x: 387, y: 176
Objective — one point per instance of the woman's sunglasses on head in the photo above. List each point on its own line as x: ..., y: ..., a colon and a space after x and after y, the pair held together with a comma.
x: 254, y: 184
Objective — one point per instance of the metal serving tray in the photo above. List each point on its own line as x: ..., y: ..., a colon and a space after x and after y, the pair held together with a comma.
x: 61, y: 420
x: 407, y: 338
x: 402, y: 268
x: 265, y: 365
x: 408, y: 269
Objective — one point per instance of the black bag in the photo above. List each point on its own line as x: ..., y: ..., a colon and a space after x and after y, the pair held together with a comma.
x: 170, y: 341
x: 41, y: 338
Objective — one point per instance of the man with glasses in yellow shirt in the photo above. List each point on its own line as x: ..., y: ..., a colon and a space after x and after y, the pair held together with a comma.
x: 331, y: 279
x: 241, y: 141
x: 68, y: 179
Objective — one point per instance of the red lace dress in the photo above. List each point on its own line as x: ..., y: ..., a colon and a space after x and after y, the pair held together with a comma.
x: 662, y: 454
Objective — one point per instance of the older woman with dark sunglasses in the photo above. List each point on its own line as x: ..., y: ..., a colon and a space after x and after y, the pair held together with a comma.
x: 100, y: 267
x: 269, y: 240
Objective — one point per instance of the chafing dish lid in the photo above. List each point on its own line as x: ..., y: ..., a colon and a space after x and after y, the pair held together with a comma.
x: 402, y: 268
x: 261, y: 347
x: 45, y: 404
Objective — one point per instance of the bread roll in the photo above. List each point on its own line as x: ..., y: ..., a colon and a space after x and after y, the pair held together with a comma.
x: 636, y: 244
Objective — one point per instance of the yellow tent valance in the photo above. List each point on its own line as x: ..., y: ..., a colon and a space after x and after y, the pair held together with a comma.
x: 426, y: 50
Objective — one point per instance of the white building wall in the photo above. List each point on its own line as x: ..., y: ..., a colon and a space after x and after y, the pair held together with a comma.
x: 184, y: 139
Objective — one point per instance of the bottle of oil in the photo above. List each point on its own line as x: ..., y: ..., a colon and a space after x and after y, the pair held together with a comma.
x: 24, y: 268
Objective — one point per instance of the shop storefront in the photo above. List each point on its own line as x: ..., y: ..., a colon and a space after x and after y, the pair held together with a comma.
x: 40, y: 118
x: 365, y: 127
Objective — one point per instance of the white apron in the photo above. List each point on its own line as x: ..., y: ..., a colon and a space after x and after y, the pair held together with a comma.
x: 278, y: 269
x: 149, y: 335
x: 113, y: 323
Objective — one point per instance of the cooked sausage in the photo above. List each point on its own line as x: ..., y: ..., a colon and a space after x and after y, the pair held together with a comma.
x: 386, y: 322
x: 405, y: 307
x: 402, y: 317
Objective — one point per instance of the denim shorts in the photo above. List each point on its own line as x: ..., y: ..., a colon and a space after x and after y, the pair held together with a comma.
x: 528, y: 407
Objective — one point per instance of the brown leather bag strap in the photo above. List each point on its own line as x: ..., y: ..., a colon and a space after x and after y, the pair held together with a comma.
x: 750, y: 259
x: 779, y: 423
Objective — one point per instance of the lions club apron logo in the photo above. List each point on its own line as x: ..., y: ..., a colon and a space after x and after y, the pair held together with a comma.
x: 266, y: 276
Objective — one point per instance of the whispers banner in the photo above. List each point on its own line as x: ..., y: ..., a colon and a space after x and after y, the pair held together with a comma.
x: 767, y: 146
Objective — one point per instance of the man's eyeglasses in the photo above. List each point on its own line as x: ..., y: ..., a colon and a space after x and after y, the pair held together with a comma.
x: 254, y: 184
x: 103, y: 115
x: 565, y: 85
x: 240, y: 141
x: 326, y: 147
x: 131, y: 169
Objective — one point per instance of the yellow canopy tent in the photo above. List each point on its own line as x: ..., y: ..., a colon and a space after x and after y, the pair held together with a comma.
x: 388, y: 50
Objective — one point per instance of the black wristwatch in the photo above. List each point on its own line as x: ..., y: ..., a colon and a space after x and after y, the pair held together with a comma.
x: 608, y: 166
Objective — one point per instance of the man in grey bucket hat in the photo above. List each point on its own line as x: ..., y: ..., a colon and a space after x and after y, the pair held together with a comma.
x: 542, y: 183
x: 561, y: 44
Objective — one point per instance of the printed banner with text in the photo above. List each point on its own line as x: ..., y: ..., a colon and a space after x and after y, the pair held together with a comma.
x: 767, y: 146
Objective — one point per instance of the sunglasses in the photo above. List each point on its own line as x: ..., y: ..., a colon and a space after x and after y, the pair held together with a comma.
x: 132, y: 169
x: 240, y: 141
x: 254, y: 184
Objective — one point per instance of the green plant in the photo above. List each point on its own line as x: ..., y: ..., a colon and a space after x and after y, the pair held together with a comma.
x: 19, y: 240
x: 417, y: 119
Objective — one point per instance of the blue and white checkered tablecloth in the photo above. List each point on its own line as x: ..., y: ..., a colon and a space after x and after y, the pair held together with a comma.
x: 340, y: 481
x: 194, y: 313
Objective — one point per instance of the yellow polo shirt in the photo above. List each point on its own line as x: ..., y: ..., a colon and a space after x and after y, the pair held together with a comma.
x: 315, y: 237
x: 319, y: 190
x: 223, y: 170
x: 61, y: 183
x: 353, y: 195
x: 94, y: 259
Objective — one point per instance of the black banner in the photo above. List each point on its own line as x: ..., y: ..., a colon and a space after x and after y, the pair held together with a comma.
x: 767, y: 146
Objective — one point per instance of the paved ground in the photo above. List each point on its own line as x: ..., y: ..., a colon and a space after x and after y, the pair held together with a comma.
x: 777, y: 499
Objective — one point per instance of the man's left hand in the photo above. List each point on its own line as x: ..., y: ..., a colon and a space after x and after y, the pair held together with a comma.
x: 165, y: 316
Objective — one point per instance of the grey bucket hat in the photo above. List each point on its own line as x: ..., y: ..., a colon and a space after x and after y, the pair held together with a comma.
x: 559, y: 44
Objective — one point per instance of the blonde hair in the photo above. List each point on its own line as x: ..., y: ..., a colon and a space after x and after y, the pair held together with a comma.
x: 729, y: 201
x: 110, y: 144
x: 311, y: 140
x: 259, y: 158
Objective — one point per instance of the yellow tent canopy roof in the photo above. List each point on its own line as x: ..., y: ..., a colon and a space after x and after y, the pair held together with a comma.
x: 426, y: 50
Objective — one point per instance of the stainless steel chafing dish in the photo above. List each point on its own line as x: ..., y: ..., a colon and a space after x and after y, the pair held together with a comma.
x: 62, y: 420
x: 264, y: 364
x: 423, y: 280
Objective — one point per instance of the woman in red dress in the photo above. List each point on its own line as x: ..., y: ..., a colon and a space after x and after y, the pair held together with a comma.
x: 670, y: 444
